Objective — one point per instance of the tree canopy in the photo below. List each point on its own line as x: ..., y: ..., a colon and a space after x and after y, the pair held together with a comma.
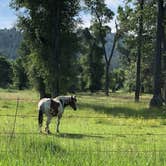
x: 57, y: 55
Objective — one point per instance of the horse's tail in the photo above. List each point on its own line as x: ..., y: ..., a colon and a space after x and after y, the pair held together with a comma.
x: 40, y: 118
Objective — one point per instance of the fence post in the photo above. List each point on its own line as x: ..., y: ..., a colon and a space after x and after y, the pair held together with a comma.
x: 14, y: 124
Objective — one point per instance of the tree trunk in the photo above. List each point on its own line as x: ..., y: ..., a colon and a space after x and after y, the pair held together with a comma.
x: 156, y: 100
x: 164, y: 56
x: 108, y: 63
x: 138, y: 70
x: 56, y: 49
x: 90, y: 65
x: 41, y: 87
x: 107, y: 80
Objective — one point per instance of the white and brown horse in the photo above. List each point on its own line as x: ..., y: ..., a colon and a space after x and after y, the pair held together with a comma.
x: 54, y: 107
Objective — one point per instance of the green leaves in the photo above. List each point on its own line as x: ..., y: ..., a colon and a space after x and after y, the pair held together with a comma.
x: 128, y: 18
x: 99, y: 10
x: 5, y: 72
x: 48, y: 27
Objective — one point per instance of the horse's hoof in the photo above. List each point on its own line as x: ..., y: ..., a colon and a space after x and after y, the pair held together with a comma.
x: 48, y: 132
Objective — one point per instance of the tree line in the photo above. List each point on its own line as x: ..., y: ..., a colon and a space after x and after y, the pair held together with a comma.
x: 57, y: 55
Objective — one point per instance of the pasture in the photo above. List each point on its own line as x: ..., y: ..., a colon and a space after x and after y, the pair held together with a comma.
x: 103, y: 131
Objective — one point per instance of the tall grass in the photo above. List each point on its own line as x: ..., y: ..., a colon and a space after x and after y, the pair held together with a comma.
x: 104, y: 131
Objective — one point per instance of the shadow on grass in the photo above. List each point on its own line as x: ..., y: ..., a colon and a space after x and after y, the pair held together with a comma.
x: 78, y: 136
x: 124, y: 111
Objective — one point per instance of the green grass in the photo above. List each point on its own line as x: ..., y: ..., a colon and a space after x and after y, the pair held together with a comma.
x: 104, y: 131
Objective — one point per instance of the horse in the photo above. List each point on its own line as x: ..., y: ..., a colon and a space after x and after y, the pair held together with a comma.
x: 53, y: 107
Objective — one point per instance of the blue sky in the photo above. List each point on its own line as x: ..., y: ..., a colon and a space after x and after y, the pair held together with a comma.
x: 8, y: 16
x: 113, y: 5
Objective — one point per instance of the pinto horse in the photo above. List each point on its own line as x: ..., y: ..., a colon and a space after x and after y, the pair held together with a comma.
x: 54, y: 107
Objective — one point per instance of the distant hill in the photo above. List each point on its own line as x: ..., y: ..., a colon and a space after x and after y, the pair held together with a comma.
x: 10, y: 40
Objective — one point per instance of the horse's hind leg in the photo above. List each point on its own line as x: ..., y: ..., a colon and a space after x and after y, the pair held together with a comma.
x: 40, y: 120
x: 58, y: 123
x: 47, y: 124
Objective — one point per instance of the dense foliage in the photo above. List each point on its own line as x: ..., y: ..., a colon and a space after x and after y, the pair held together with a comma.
x: 128, y: 18
x: 48, y: 27
x: 5, y: 72
x: 57, y: 55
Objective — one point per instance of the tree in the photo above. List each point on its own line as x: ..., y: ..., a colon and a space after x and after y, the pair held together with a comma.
x: 101, y: 16
x: 94, y: 59
x: 128, y: 22
x: 20, y: 79
x: 164, y: 54
x: 157, y: 98
x: 46, y: 25
x: 5, y: 72
x: 139, y: 50
x: 96, y: 70
x: 117, y: 79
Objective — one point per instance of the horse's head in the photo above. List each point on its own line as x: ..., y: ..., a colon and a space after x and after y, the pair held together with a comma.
x: 73, y: 102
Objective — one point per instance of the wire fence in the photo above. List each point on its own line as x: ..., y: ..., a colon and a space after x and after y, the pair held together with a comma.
x: 101, y: 151
x: 16, y: 115
x: 92, y: 117
x: 87, y: 134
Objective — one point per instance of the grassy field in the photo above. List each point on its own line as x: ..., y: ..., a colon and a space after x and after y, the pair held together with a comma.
x: 105, y: 131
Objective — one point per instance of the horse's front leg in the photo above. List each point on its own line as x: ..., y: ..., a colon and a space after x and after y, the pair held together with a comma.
x: 58, y: 123
x: 47, y: 124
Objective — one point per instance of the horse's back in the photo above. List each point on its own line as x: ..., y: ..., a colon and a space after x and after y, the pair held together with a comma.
x: 47, y: 104
x: 44, y: 103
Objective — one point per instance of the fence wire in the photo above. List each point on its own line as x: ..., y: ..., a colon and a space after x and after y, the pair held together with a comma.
x: 92, y: 134
x: 102, y: 151
x: 94, y: 117
x: 12, y: 133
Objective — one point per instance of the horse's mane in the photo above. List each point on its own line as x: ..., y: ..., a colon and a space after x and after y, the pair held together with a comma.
x: 63, y: 99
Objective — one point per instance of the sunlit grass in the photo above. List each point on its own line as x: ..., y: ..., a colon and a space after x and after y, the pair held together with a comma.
x: 104, y: 131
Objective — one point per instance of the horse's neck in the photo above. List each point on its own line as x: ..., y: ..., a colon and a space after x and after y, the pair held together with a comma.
x: 64, y: 103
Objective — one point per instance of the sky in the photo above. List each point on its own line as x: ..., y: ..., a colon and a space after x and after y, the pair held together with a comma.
x: 8, y: 16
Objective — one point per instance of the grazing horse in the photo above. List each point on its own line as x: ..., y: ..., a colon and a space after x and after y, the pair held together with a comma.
x: 54, y: 107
